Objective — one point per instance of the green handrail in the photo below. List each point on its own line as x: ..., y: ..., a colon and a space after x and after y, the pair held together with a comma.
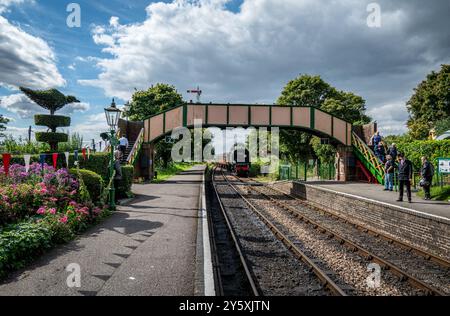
x: 368, y: 158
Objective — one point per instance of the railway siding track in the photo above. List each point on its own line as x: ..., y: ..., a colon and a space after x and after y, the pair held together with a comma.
x: 353, y: 246
x: 426, y: 255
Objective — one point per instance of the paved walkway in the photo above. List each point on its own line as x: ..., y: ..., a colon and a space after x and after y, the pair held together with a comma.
x: 147, y: 248
x: 375, y: 192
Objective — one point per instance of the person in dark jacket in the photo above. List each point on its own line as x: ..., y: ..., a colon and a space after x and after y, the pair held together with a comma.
x: 393, y: 152
x: 405, y: 174
x: 381, y: 152
x: 118, y: 168
x: 389, y: 169
x: 427, y: 173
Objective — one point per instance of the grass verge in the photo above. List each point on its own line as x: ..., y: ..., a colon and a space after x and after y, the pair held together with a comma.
x: 171, y: 170
x: 438, y: 193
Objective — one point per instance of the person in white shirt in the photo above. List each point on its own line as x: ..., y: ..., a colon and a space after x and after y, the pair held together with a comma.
x: 123, y: 144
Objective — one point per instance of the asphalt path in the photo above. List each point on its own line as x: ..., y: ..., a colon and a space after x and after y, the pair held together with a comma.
x: 147, y: 248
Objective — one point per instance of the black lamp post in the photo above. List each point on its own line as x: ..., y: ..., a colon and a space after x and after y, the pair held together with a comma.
x: 112, y: 117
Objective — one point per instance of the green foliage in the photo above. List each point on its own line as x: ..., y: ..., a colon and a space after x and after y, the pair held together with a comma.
x: 156, y: 99
x: 93, y: 182
x: 52, y: 99
x: 306, y: 90
x: 325, y: 153
x: 309, y: 90
x: 52, y: 121
x: 98, y: 163
x: 430, y: 103
x: 347, y: 106
x: 19, y: 145
x: 3, y: 122
x: 21, y: 243
x: 416, y: 149
x: 51, y: 138
x: 75, y: 142
x: 295, y: 145
x: 442, y: 126
x: 172, y: 169
x: 438, y: 193
x: 124, y: 185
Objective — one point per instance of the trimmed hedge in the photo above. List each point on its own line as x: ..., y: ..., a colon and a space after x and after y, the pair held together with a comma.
x: 124, y: 185
x: 432, y: 149
x: 98, y: 162
x: 52, y: 121
x: 21, y: 243
x: 94, y: 182
x: 51, y: 137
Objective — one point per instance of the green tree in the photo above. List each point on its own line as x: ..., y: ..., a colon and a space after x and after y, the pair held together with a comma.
x: 156, y: 99
x: 430, y: 103
x: 306, y: 90
x: 309, y: 90
x: 347, y: 106
x: 3, y: 122
x: 442, y: 126
x: 52, y: 100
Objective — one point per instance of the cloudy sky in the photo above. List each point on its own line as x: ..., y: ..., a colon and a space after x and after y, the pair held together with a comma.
x: 235, y: 50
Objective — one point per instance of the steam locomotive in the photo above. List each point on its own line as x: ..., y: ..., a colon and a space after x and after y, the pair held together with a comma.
x: 239, y: 162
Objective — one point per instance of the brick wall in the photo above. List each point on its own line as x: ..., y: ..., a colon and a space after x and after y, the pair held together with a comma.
x: 424, y: 231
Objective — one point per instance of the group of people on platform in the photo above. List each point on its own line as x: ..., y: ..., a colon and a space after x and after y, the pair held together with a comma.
x: 395, y: 162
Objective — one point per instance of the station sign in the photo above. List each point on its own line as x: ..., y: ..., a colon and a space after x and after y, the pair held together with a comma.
x: 444, y: 165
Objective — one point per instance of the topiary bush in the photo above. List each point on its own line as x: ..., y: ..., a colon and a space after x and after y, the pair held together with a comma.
x: 52, y: 137
x: 124, y: 186
x: 52, y: 100
x: 52, y: 121
x: 93, y: 181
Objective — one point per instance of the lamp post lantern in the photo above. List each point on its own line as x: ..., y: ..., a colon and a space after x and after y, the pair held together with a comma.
x: 112, y: 117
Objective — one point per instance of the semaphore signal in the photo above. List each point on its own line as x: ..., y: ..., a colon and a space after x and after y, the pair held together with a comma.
x: 197, y: 92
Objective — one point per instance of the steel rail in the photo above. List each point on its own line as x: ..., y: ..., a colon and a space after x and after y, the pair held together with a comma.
x: 353, y: 246
x: 255, y: 290
x: 326, y: 280
x: 426, y: 255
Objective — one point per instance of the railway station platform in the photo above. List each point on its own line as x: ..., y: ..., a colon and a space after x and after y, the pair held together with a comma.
x: 153, y: 246
x: 376, y: 193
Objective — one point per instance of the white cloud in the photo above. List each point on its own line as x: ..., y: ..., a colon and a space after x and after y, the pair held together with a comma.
x: 24, y: 108
x: 391, y: 118
x: 5, y: 4
x: 26, y: 60
x: 250, y: 55
x: 92, y: 126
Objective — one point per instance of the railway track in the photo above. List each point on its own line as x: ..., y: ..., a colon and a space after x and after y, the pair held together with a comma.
x: 301, y: 269
x: 371, y: 246
x: 221, y: 231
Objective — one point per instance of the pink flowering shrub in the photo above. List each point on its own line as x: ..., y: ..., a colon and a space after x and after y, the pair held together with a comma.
x: 47, y: 192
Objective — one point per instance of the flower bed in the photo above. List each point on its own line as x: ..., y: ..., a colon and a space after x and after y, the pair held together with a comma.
x: 39, y: 209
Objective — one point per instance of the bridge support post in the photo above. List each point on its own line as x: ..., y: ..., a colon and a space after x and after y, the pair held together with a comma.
x: 345, y: 164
